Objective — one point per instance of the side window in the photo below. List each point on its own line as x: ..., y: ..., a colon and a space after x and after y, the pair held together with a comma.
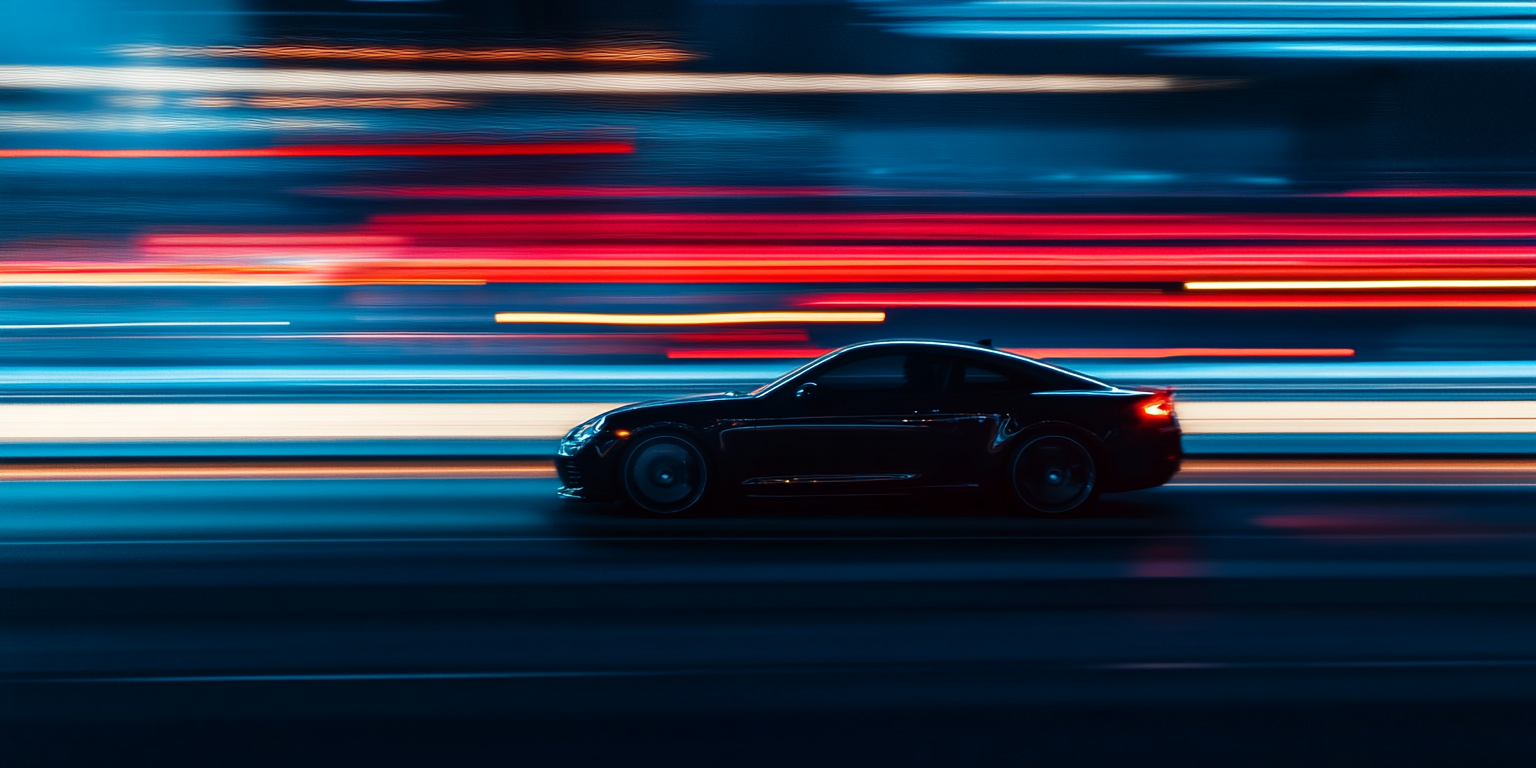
x: 975, y: 378
x: 895, y: 374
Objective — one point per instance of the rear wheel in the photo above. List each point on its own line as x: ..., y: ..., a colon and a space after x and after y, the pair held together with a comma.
x: 665, y: 474
x: 1054, y: 474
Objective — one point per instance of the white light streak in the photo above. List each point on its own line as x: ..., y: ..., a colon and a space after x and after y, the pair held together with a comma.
x: 219, y: 79
x: 153, y: 422
x: 1358, y: 417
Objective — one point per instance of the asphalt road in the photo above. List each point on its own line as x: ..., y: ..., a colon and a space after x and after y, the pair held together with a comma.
x: 1255, y: 621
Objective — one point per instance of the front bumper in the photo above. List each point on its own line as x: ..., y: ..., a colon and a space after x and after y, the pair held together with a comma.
x: 584, y: 476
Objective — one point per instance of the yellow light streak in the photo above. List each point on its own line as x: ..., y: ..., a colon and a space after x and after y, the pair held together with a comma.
x: 326, y: 102
x: 245, y: 79
x: 1352, y: 285
x: 713, y: 318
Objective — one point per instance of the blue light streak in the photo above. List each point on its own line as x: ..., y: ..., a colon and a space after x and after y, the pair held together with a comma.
x: 1352, y: 29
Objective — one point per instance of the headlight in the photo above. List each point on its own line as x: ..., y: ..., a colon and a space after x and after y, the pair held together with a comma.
x: 582, y: 434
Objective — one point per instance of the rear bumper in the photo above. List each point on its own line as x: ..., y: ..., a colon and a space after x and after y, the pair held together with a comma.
x: 1147, y: 460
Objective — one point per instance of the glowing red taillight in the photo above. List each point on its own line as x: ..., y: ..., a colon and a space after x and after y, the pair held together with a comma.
x: 1162, y: 407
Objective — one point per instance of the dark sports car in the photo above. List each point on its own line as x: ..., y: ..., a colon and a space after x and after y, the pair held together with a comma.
x: 882, y: 418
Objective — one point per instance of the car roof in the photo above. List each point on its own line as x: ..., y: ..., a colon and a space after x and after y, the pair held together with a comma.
x: 939, y: 345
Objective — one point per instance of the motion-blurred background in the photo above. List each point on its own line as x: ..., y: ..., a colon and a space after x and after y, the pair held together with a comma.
x: 299, y: 202
x: 297, y: 295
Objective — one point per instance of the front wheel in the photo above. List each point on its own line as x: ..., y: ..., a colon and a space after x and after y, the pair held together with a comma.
x: 665, y: 475
x: 1054, y: 474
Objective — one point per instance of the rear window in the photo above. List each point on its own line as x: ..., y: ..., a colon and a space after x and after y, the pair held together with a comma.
x: 1021, y: 375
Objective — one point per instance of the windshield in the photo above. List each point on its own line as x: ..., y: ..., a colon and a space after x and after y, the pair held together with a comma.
x: 792, y: 374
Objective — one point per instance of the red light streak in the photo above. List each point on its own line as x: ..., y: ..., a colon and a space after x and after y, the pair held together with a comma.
x: 766, y: 353
x: 956, y: 227
x: 345, y: 150
x: 1433, y: 192
x: 1182, y: 301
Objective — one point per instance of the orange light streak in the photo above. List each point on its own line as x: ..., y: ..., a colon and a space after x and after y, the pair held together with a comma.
x: 620, y: 54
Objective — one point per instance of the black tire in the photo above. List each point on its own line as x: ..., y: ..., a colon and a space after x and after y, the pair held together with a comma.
x: 665, y: 474
x: 1054, y: 474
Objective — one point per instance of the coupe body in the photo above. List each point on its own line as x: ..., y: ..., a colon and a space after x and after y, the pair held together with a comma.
x: 883, y: 418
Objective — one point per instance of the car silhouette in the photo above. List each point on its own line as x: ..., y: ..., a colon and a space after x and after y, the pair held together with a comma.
x: 883, y: 418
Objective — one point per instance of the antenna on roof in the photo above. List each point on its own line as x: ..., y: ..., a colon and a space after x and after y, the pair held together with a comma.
x: 985, y: 343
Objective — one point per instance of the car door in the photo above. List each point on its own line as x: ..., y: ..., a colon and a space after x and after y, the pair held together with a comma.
x: 981, y: 395
x: 863, y: 425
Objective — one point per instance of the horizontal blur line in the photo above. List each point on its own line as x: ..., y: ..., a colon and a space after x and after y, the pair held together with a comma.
x: 1358, y: 417
x: 1432, y: 192
x: 113, y: 422
x: 133, y: 325
x: 748, y: 353
x: 118, y: 422
x: 785, y: 353
x: 928, y: 226
x: 498, y: 192
x: 1353, y: 285
x: 346, y: 150
x: 1177, y: 301
x: 362, y: 81
x: 714, y: 318
x: 279, y: 471
x: 1184, y: 352
x: 612, y: 53
x: 1195, y: 471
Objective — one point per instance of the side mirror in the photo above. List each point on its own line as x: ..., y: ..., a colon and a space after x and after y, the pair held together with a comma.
x: 807, y: 391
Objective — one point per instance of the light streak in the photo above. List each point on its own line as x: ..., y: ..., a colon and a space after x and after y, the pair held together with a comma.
x: 1178, y: 301
x: 38, y: 122
x: 709, y: 318
x: 157, y: 422
x: 608, y: 191
x: 326, y: 102
x: 279, y: 471
x: 133, y: 325
x: 1353, y: 285
x: 748, y: 353
x: 1160, y: 352
x: 917, y: 226
x: 621, y: 54
x: 89, y: 422
x: 1427, y: 471
x: 1434, y: 192
x: 230, y: 79
x: 1190, y: 28
x: 1358, y: 416
x: 1350, y: 49
x: 345, y: 150
x: 806, y: 353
